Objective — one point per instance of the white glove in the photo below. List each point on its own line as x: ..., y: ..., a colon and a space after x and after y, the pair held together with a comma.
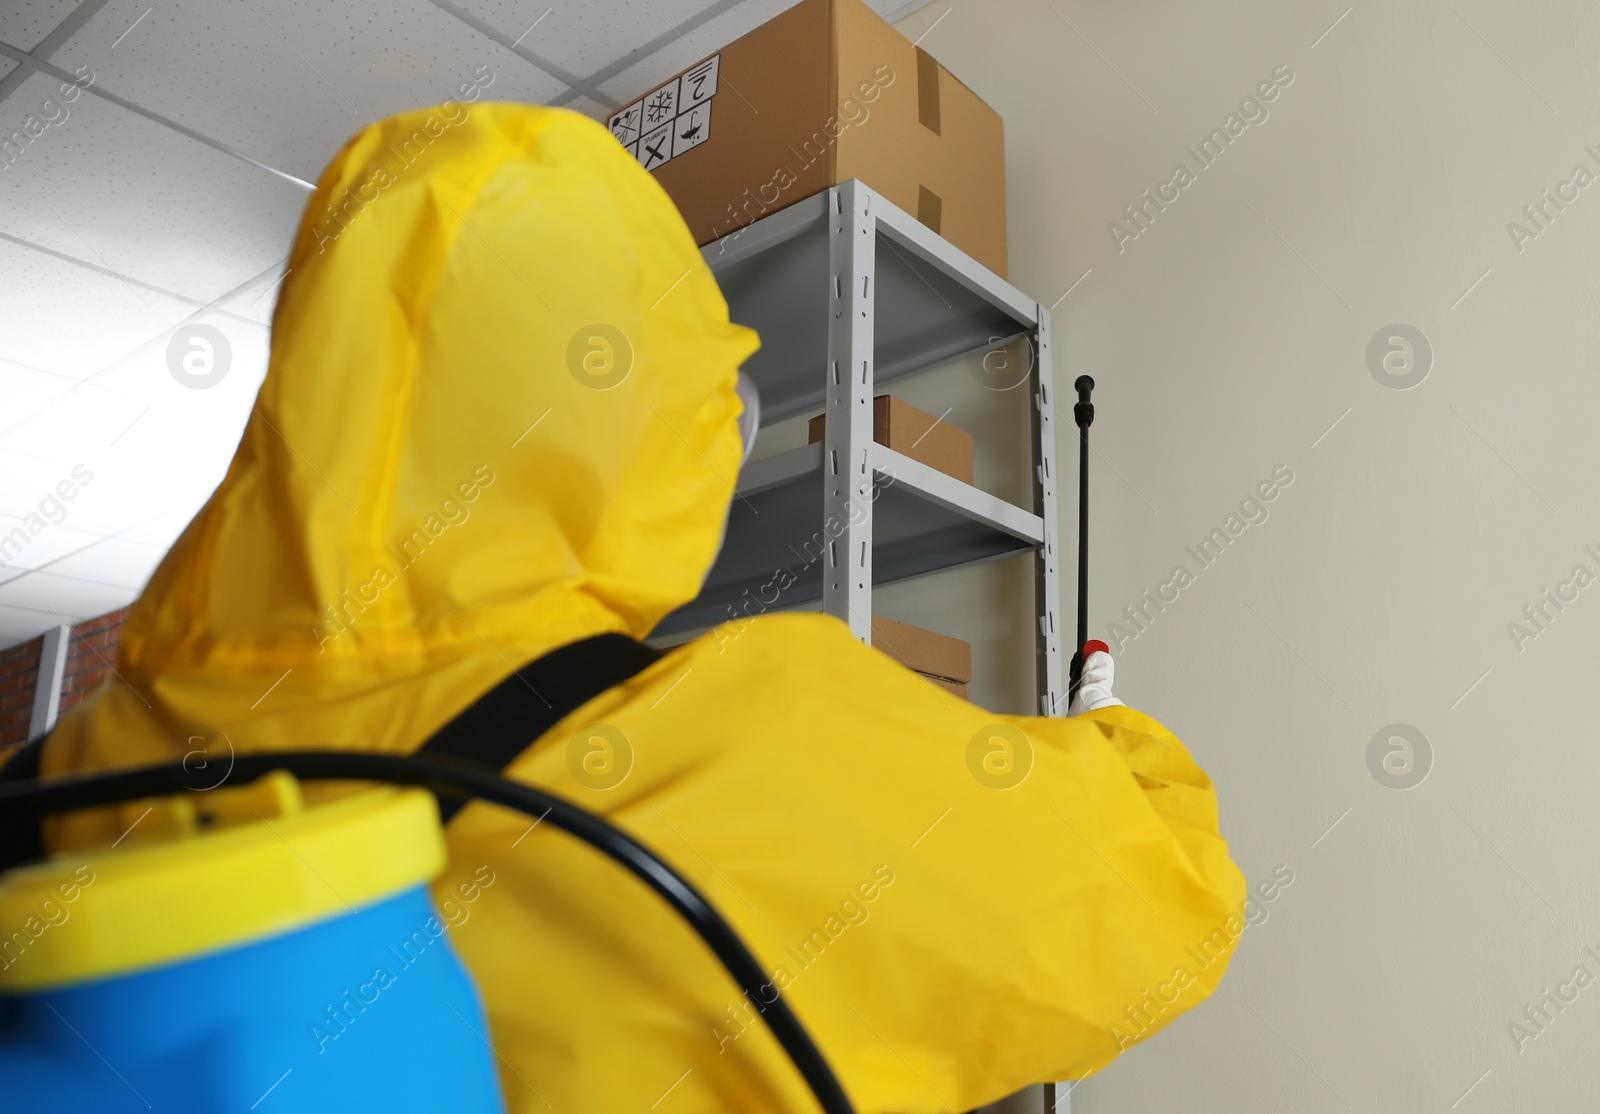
x: 1095, y: 690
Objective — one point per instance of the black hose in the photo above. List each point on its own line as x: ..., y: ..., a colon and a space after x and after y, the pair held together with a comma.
x: 35, y: 797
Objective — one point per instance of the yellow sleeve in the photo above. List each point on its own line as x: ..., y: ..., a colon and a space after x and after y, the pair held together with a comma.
x: 1174, y: 785
x: 1162, y: 932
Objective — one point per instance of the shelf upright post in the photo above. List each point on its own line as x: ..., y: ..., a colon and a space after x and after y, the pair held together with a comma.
x: 847, y: 477
x: 1047, y: 558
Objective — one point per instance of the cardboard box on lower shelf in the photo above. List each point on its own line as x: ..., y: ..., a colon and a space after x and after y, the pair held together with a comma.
x: 915, y: 433
x: 937, y: 657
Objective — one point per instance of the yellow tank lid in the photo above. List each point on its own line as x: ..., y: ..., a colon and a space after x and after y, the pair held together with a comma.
x: 203, y: 872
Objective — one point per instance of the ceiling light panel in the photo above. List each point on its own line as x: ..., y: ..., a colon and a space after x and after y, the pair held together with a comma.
x: 177, y: 431
x: 80, y: 421
x: 28, y: 479
x: 69, y: 319
x: 23, y: 390
x: 38, y: 544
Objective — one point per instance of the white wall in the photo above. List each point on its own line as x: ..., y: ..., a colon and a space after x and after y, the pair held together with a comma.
x: 1226, y: 339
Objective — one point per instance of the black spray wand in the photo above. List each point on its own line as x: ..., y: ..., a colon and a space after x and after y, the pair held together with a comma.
x: 1083, y: 413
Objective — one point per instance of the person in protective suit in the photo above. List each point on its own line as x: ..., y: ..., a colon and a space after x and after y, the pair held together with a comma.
x: 446, y: 478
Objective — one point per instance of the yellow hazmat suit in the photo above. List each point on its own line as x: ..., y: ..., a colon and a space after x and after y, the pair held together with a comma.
x: 444, y: 479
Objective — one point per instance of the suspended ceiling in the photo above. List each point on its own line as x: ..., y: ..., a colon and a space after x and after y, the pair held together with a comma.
x: 163, y: 194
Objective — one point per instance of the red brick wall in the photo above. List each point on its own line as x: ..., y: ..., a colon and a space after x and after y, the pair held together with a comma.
x: 90, y: 656
x: 19, y: 672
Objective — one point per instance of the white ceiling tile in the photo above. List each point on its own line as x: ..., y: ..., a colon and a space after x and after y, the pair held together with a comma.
x: 287, y: 81
x: 22, y: 623
x: 64, y: 595
x: 708, y: 38
x: 258, y: 300
x: 23, y: 23
x: 114, y: 561
x: 583, y: 38
x: 111, y: 187
x: 45, y: 303
x: 6, y: 66
x: 590, y: 108
x: 687, y: 49
x: 897, y: 10
x: 29, y: 550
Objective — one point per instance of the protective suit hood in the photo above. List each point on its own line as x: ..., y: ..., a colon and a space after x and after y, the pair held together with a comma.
x: 436, y: 487
x: 500, y: 415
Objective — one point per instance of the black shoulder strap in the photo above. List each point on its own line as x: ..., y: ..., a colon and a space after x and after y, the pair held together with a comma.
x: 507, y: 719
x: 21, y: 837
x: 492, y: 731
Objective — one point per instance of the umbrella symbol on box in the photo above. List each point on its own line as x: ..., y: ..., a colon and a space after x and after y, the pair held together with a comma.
x: 691, y: 129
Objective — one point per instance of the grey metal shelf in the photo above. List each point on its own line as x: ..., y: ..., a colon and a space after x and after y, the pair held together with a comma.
x: 929, y: 305
x: 923, y: 521
x: 849, y: 292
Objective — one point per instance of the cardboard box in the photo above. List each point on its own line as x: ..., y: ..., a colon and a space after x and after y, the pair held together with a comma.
x: 935, y: 656
x: 824, y: 92
x: 915, y: 433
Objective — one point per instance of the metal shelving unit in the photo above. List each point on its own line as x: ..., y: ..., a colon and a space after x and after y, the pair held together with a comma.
x: 848, y: 292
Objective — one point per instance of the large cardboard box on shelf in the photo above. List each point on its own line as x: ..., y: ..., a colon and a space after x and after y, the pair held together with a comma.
x: 913, y: 433
x: 824, y: 92
x: 945, y: 661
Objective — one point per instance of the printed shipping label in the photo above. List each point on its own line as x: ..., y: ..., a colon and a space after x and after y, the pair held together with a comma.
x: 671, y: 119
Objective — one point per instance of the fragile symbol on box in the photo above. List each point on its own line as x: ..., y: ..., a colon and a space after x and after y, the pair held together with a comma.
x: 671, y: 119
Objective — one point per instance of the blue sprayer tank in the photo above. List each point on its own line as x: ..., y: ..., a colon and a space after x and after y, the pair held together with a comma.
x: 238, y: 950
